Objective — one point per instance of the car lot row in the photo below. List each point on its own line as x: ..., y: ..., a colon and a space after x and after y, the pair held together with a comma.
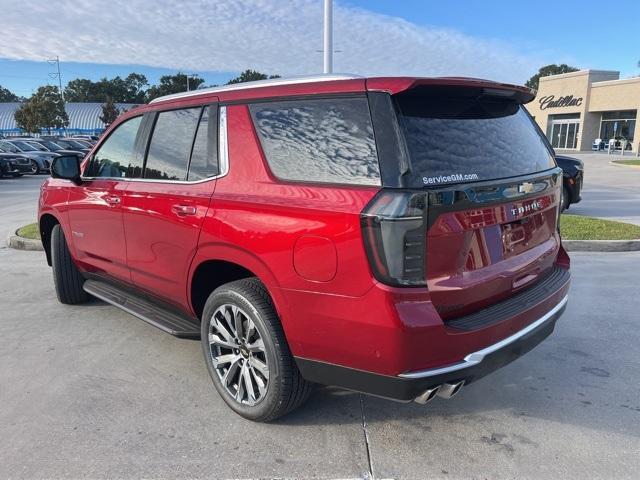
x: 33, y: 155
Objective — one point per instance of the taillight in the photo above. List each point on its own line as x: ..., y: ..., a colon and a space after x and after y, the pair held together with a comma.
x: 394, y: 231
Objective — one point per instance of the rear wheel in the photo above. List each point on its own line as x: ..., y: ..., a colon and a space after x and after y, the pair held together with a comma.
x: 247, y: 354
x: 66, y: 277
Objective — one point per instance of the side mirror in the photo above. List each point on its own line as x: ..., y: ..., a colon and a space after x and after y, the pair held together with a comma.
x: 66, y: 167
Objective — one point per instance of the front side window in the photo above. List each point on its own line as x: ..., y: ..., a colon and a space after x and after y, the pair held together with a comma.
x: 116, y: 155
x: 171, y: 142
x: 323, y: 140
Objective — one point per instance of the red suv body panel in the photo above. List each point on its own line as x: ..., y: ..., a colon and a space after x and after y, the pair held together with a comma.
x: 304, y: 241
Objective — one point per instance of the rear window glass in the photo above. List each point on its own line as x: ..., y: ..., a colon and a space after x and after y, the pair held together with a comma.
x: 324, y: 140
x: 454, y: 140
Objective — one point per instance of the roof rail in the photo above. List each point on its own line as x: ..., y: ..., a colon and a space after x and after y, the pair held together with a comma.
x: 257, y: 84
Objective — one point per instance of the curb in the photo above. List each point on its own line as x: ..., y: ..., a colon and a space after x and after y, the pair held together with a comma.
x: 616, y: 164
x: 601, y: 245
x: 21, y: 243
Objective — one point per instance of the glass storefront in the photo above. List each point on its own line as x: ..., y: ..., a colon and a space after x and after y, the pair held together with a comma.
x: 619, y: 125
x: 562, y: 130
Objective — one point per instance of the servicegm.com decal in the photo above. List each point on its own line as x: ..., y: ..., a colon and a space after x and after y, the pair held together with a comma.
x: 456, y: 177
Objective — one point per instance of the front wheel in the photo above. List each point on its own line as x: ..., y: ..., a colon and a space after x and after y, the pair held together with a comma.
x: 35, y: 168
x: 247, y: 354
x: 66, y: 276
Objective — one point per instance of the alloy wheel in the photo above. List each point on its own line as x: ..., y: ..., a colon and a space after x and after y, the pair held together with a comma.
x: 238, y: 354
x: 34, y: 167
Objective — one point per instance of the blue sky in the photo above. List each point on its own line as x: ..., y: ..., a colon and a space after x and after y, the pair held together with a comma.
x: 498, y: 39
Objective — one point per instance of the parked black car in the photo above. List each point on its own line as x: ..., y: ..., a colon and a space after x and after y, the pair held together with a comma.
x: 14, y: 165
x: 69, y: 144
x: 572, y: 176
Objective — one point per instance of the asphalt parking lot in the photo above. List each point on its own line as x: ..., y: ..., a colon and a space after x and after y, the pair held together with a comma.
x: 610, y: 191
x: 89, y: 391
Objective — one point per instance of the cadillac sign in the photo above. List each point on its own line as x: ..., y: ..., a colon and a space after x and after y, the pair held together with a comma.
x: 567, y: 101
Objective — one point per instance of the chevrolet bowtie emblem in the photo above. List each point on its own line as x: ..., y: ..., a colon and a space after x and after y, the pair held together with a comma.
x: 525, y: 187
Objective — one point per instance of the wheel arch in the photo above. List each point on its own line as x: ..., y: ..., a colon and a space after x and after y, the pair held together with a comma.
x: 46, y: 223
x: 216, y: 265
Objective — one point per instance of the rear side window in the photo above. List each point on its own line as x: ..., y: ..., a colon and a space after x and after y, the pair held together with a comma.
x: 204, y: 156
x: 170, y: 146
x: 466, y: 138
x: 323, y: 140
x: 116, y: 155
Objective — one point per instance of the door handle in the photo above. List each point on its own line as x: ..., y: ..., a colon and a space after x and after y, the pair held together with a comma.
x: 183, y: 210
x: 113, y: 200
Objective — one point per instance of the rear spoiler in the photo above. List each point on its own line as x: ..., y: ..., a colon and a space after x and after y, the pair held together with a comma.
x: 396, y: 85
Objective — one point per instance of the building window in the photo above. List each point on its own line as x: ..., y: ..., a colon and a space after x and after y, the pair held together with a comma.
x: 563, y: 130
x: 618, y: 125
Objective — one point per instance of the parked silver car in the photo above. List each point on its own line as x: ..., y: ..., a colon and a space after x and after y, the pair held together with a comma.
x: 40, y: 161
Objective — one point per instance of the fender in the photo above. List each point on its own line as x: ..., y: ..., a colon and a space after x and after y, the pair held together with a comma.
x: 233, y: 254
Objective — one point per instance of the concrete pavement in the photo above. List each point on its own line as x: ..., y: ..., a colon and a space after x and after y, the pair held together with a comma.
x: 89, y: 391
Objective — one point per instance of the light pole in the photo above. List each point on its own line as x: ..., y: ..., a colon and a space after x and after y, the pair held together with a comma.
x: 328, y: 36
x: 189, y: 75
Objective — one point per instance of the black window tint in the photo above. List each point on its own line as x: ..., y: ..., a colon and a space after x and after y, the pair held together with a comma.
x: 325, y: 140
x: 170, y: 146
x: 454, y: 140
x: 116, y: 154
x: 204, y: 157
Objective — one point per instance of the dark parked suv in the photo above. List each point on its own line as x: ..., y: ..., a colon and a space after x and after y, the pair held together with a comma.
x: 393, y: 236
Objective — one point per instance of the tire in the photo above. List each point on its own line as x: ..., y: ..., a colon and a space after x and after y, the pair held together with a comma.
x: 66, y: 277
x: 279, y: 392
x: 35, y: 168
x: 565, y: 199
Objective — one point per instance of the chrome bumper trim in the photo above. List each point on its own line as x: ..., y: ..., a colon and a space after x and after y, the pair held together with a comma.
x: 477, y: 357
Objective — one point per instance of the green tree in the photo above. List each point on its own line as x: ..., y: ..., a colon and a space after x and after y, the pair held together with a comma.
x: 547, y: 70
x: 43, y: 110
x: 7, y: 95
x: 173, y: 84
x: 250, y: 76
x: 130, y: 89
x: 109, y: 112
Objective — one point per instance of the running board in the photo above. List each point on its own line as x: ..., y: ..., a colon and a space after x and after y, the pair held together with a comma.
x: 165, y: 319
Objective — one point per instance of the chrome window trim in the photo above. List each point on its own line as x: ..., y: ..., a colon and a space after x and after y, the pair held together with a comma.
x: 477, y: 357
x: 223, y: 159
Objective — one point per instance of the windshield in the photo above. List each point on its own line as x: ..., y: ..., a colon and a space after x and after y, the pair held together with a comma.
x: 84, y: 143
x: 54, y: 147
x: 464, y: 138
x: 24, y: 146
x: 37, y: 146
x: 71, y: 144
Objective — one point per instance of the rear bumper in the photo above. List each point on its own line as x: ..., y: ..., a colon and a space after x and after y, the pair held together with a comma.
x: 408, y: 386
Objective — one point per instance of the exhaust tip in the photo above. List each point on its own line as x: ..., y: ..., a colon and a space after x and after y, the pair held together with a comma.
x: 448, y: 390
x: 427, y: 396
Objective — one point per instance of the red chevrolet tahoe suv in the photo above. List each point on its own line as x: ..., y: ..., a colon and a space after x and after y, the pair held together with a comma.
x: 392, y: 236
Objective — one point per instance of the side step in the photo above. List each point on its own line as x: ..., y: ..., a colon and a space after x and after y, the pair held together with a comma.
x: 165, y: 319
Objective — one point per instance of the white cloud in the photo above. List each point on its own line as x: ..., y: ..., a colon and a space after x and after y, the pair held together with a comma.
x: 273, y: 36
